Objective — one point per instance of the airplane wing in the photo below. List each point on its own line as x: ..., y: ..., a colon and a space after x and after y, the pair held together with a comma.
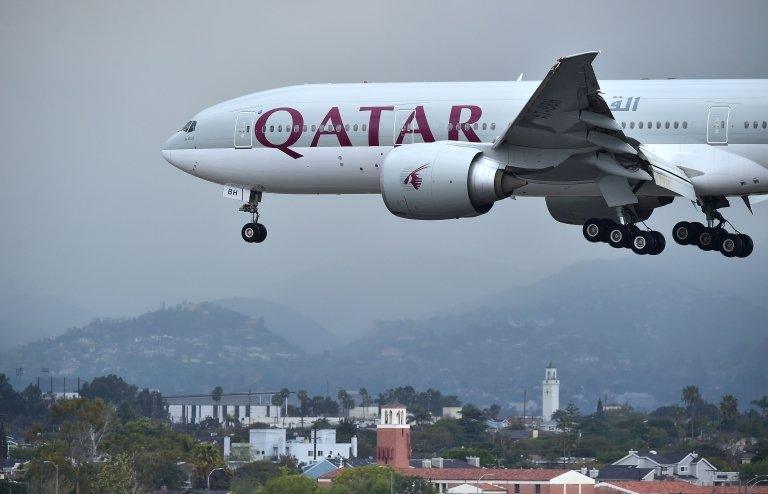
x: 567, y: 112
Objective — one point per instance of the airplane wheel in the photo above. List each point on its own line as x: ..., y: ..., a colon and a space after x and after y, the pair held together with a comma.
x: 261, y: 234
x: 731, y: 245
x: 661, y: 242
x: 618, y: 236
x: 643, y: 243
x: 708, y: 238
x: 747, y: 245
x: 250, y: 232
x: 596, y: 230
x: 684, y: 233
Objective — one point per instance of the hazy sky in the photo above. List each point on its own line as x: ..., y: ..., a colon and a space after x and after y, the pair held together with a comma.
x: 89, y: 91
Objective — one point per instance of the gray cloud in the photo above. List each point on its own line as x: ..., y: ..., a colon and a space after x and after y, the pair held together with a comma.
x: 90, y: 90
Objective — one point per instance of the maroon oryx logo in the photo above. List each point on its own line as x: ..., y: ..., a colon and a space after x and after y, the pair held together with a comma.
x: 413, y: 178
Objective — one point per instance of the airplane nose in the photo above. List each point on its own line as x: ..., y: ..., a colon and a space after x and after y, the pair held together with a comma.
x: 168, y: 155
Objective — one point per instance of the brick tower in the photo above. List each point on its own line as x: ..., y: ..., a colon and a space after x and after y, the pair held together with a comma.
x: 393, y: 437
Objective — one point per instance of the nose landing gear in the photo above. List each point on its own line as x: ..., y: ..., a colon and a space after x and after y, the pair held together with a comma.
x: 253, y: 232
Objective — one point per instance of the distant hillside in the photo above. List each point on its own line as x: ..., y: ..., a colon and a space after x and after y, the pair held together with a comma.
x: 288, y: 323
x: 610, y: 327
x: 189, y: 348
x: 26, y: 318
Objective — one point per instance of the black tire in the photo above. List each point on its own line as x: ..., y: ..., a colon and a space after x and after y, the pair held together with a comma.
x: 261, y: 233
x: 684, y: 233
x: 643, y: 243
x: 731, y: 245
x: 249, y: 232
x: 661, y: 243
x: 596, y: 229
x: 618, y: 236
x: 748, y: 245
x: 708, y: 239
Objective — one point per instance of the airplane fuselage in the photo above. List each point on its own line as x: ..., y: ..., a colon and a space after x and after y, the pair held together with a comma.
x: 332, y: 139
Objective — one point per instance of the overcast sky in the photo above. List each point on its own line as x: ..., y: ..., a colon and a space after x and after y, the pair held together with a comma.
x: 92, y: 214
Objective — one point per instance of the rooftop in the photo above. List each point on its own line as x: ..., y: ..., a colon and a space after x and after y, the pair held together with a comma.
x: 668, y: 487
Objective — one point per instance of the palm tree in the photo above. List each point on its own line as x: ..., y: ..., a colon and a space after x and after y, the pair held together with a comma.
x: 762, y: 403
x: 691, y: 397
x: 729, y: 408
x: 343, y: 397
x: 365, y: 397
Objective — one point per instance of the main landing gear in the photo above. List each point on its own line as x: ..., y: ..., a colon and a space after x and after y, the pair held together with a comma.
x: 714, y: 236
x: 624, y: 236
x: 253, y: 232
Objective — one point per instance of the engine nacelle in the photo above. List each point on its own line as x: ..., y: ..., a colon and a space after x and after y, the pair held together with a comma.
x: 439, y: 180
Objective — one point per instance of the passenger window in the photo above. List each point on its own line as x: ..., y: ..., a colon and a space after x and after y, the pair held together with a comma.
x: 313, y: 128
x: 623, y: 125
x: 631, y: 125
x: 493, y: 125
x: 485, y: 126
x: 754, y: 124
x: 364, y: 127
x: 304, y: 129
x: 264, y: 130
x: 677, y: 124
x: 475, y: 125
x: 746, y: 125
x: 279, y: 128
x: 666, y: 125
x: 354, y: 128
x: 338, y: 127
x: 271, y: 128
x: 346, y: 127
x: 685, y: 124
x: 640, y: 125
x: 650, y: 125
x: 765, y: 124
x: 658, y: 124
x: 295, y: 128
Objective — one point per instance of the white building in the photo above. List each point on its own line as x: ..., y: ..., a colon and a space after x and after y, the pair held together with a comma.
x: 550, y: 393
x: 246, y: 409
x: 271, y: 444
x: 684, y: 466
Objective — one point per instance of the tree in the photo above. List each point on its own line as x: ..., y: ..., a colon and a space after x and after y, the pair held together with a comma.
x: 345, y: 430
x: 377, y: 480
x: 295, y: 484
x: 205, y: 457
x: 112, y: 389
x: 365, y: 397
x: 217, y: 393
x: 3, y: 442
x: 304, y: 401
x: 343, y: 397
x: 729, y: 409
x: 600, y: 413
x: 117, y: 476
x: 762, y: 403
x: 691, y: 396
x: 472, y: 424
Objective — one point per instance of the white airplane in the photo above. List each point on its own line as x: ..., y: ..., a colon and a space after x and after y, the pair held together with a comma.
x: 603, y: 157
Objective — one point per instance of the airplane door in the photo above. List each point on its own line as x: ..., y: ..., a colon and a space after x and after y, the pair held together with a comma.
x: 243, y: 130
x: 402, y: 134
x: 717, y: 125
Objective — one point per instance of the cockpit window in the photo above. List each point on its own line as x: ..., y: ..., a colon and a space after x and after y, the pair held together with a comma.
x: 190, y: 127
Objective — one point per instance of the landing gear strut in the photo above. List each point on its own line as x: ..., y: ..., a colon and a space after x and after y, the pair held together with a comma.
x: 628, y: 236
x: 714, y: 236
x: 253, y: 232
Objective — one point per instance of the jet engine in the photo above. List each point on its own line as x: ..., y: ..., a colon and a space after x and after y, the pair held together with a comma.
x: 440, y: 180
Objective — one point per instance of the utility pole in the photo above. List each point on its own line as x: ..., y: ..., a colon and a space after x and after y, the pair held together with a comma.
x: 525, y: 403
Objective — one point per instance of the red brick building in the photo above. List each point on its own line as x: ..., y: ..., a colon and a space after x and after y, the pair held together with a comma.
x: 393, y: 437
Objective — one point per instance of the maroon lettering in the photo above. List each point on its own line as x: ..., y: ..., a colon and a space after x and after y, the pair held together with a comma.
x: 337, y: 128
x: 454, y: 122
x: 422, y: 126
x: 297, y: 124
x: 374, y: 122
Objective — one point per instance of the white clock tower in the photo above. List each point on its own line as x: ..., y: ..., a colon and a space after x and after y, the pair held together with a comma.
x: 550, y: 393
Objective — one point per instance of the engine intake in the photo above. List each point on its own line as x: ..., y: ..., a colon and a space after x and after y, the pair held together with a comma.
x: 440, y: 180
